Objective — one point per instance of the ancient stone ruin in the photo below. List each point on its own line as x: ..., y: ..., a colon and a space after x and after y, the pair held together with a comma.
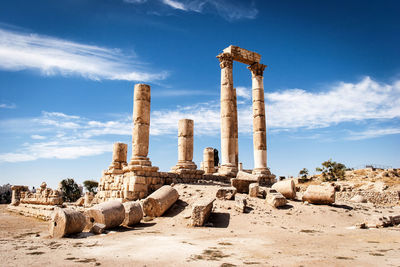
x: 229, y: 120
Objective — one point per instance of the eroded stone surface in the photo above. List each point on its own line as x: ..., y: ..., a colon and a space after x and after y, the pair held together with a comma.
x: 201, y: 210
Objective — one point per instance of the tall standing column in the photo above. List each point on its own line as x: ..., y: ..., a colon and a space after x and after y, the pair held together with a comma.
x: 228, y: 143
x: 141, y: 125
x: 259, y: 124
x: 236, y: 129
x: 185, y: 145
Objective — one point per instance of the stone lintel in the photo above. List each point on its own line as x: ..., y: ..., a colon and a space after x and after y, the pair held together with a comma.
x: 243, y: 55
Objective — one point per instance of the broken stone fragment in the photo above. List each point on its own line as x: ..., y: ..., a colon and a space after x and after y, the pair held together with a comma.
x: 66, y: 221
x: 226, y: 193
x: 160, y: 201
x: 110, y: 213
x: 240, y: 203
x: 242, y: 181
x: 286, y: 187
x: 79, y: 202
x: 133, y: 213
x: 201, y: 211
x: 317, y: 194
x: 97, y: 228
x: 253, y: 189
x: 358, y: 199
x: 276, y: 200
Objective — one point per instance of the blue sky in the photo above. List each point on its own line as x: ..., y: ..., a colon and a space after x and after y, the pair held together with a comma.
x: 67, y: 71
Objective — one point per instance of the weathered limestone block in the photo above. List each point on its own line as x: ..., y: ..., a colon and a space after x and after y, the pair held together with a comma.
x: 253, y: 190
x: 208, y: 160
x: 133, y: 213
x: 243, y: 55
x: 89, y: 196
x: 80, y: 201
x: 240, y: 203
x: 286, y: 187
x: 66, y: 221
x: 276, y: 200
x: 16, y: 191
x: 226, y: 193
x: 120, y: 152
x: 97, y: 228
x: 317, y: 194
x: 160, y: 201
x: 110, y: 213
x: 201, y: 210
x: 242, y: 181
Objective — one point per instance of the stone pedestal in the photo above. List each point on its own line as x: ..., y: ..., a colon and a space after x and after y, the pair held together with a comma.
x: 228, y: 141
x: 185, y: 146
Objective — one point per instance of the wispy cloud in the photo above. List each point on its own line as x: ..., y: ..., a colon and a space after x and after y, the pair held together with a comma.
x: 230, y: 10
x: 175, y: 4
x: 8, y: 106
x: 52, y: 56
x: 372, y: 133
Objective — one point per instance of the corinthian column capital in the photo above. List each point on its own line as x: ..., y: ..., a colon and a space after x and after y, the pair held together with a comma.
x: 257, y: 69
x: 226, y: 60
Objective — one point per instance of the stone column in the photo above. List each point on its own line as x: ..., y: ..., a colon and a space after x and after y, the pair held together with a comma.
x: 208, y: 160
x: 228, y: 142
x: 141, y: 125
x: 259, y: 124
x: 236, y: 129
x: 120, y: 152
x: 185, y: 145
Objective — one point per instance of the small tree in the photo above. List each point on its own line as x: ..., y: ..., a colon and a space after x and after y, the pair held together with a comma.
x: 303, y: 173
x: 91, y: 186
x: 332, y: 170
x: 5, y: 194
x: 70, y: 190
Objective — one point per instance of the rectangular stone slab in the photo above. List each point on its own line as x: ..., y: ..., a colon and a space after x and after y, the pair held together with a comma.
x: 201, y: 210
x: 243, y: 55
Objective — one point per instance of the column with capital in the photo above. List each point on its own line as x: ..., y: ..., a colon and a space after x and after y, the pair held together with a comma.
x: 228, y: 111
x: 259, y: 123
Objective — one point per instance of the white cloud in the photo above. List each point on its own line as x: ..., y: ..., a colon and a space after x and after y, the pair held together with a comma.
x: 344, y: 102
x: 243, y: 92
x: 175, y: 4
x: 373, y: 133
x: 8, y: 106
x: 38, y: 137
x: 63, y: 149
x: 52, y: 56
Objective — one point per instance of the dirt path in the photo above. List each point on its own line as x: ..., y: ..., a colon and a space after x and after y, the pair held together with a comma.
x: 299, y: 235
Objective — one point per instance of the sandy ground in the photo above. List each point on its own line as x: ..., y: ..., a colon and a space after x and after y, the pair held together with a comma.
x: 297, y: 235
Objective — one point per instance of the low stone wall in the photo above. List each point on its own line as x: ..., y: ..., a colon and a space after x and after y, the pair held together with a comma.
x: 138, y: 184
x: 32, y: 210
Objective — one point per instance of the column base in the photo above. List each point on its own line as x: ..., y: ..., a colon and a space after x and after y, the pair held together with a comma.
x: 141, y: 161
x: 266, y: 178
x: 227, y: 170
x: 186, y: 165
